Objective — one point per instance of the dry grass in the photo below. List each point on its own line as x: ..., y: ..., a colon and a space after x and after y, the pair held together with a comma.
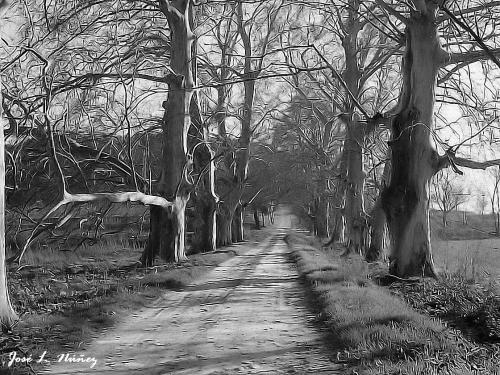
x: 374, y: 331
x: 473, y: 259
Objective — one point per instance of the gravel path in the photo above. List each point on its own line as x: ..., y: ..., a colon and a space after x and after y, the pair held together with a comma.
x: 247, y: 316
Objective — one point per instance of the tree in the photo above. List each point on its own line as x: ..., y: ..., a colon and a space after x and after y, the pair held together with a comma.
x: 360, y: 52
x: 414, y: 157
x: 62, y: 79
x: 78, y: 106
x: 7, y: 314
x: 167, y: 231
x: 204, y: 197
x: 481, y: 202
x: 495, y: 199
x: 244, y: 36
x: 447, y: 194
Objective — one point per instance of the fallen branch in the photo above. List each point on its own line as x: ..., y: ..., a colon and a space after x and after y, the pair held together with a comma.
x: 135, y: 196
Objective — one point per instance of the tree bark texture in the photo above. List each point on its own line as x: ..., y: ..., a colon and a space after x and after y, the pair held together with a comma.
x: 7, y: 314
x: 379, y: 240
x: 204, y: 197
x: 256, y: 218
x: 414, y: 159
x: 238, y: 230
x: 356, y: 232
x: 354, y: 210
x: 176, y: 165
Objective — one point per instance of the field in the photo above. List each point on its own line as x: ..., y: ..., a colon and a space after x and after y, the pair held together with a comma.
x: 470, y: 250
x: 475, y: 259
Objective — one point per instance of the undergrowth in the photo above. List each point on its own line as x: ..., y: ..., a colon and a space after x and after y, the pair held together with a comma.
x: 375, y: 331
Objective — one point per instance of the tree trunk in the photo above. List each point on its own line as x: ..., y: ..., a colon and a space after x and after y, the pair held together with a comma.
x: 414, y: 159
x: 176, y: 165
x: 7, y: 314
x: 224, y: 228
x: 173, y: 249
x: 379, y: 235
x: 445, y: 218
x: 204, y: 224
x: 256, y: 218
x: 204, y: 199
x: 338, y: 229
x: 354, y: 210
x: 238, y: 230
x: 356, y: 225
x: 379, y: 241
x: 322, y: 217
x: 226, y: 213
x: 153, y: 245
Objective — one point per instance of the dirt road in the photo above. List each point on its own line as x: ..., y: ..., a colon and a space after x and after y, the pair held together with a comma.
x: 247, y: 316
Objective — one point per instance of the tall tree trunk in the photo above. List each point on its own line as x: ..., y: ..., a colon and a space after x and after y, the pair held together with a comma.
x: 356, y: 225
x: 229, y: 185
x: 153, y: 245
x: 176, y: 165
x: 204, y: 199
x: 256, y: 218
x: 414, y: 159
x: 338, y: 220
x: 322, y: 217
x: 354, y: 210
x: 238, y: 230
x: 379, y: 235
x: 7, y: 314
x: 242, y: 154
x: 379, y: 241
x: 204, y: 226
x: 226, y: 211
x: 224, y: 229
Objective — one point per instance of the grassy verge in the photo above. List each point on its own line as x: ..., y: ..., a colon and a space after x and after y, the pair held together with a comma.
x: 376, y: 332
x: 66, y: 300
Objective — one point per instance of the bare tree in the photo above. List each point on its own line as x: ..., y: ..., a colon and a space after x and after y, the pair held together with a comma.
x: 168, y: 227
x: 244, y: 36
x: 7, y: 314
x: 481, y: 202
x: 447, y: 193
x: 414, y: 157
x: 495, y: 199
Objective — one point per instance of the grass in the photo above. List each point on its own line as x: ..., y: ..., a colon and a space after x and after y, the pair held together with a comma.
x: 468, y: 306
x: 477, y: 227
x: 474, y: 259
x: 376, y: 332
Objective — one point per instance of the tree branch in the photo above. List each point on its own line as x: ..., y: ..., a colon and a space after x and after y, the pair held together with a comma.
x: 135, y: 196
x: 476, y: 37
x: 449, y: 159
x: 392, y: 11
